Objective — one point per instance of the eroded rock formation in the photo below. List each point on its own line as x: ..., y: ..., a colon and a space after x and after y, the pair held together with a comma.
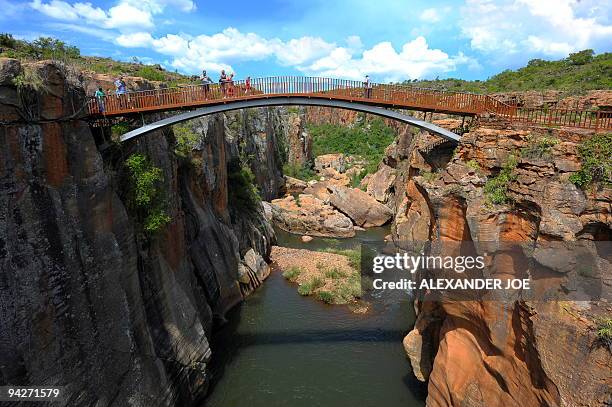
x: 86, y: 299
x: 512, y: 353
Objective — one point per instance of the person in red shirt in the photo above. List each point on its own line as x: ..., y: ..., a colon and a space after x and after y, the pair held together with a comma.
x: 247, y: 85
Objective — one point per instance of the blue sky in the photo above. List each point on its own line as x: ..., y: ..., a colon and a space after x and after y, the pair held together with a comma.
x: 389, y: 40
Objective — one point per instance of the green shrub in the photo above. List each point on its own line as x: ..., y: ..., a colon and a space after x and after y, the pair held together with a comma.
x: 356, y: 177
x: 596, y: 157
x: 146, y: 196
x: 326, y: 296
x: 151, y: 73
x: 349, y: 290
x: 539, y: 147
x: 156, y: 220
x: 604, y: 332
x: 496, y: 188
x: 119, y: 129
x: 474, y: 165
x: 303, y: 172
x: 243, y: 194
x: 335, y: 273
x: 429, y: 176
x: 581, y: 58
x: 308, y: 287
x: 29, y: 78
x: 292, y: 274
x: 293, y: 109
x: 52, y: 48
x: 7, y: 40
x: 186, y: 140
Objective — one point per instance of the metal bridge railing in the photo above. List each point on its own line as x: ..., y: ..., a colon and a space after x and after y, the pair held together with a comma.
x: 397, y: 96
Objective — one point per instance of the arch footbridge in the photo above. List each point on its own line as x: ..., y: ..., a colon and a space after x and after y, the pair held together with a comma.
x: 379, y: 99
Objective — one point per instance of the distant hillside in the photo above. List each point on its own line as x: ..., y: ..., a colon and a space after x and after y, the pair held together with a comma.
x: 579, y: 72
x: 50, y: 48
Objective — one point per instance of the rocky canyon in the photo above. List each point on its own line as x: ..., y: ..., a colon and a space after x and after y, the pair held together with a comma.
x: 121, y: 310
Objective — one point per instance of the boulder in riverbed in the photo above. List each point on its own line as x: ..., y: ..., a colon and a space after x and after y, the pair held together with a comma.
x: 308, y: 215
x: 362, y: 208
x: 380, y: 184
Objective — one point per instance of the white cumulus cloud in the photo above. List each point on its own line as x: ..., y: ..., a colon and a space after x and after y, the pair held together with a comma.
x: 550, y: 27
x: 126, y: 15
x: 414, y: 60
x: 310, y: 55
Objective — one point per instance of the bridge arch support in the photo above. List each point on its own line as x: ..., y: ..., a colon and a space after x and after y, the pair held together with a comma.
x: 292, y: 101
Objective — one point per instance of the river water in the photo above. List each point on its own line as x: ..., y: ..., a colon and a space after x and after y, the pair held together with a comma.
x: 281, y: 349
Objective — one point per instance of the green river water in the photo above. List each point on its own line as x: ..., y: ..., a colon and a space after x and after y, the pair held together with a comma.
x: 281, y: 349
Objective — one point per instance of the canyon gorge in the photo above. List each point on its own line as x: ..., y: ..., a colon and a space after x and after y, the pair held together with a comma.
x: 92, y: 300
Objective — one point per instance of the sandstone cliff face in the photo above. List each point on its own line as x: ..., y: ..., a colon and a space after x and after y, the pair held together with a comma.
x: 493, y: 353
x: 85, y: 300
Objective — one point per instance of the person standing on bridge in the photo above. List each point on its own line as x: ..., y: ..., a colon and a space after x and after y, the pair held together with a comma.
x: 206, y: 81
x: 367, y: 88
x: 230, y: 85
x: 100, y: 98
x: 247, y: 85
x: 120, y: 91
x: 223, y: 82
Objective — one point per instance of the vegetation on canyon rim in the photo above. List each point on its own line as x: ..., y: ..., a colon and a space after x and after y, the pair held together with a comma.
x: 578, y: 72
x: 604, y: 332
x: 496, y: 188
x: 51, y: 48
x: 30, y: 78
x: 145, y: 193
x: 596, y: 156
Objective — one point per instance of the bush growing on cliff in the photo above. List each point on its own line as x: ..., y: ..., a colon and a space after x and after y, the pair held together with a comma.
x: 186, y: 140
x: 496, y: 188
x: 29, y: 78
x: 539, y: 147
x: 118, y: 130
x: 146, y: 195
x: 604, y: 332
x: 242, y: 193
x: 596, y: 156
x: 474, y: 165
x: 429, y: 176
